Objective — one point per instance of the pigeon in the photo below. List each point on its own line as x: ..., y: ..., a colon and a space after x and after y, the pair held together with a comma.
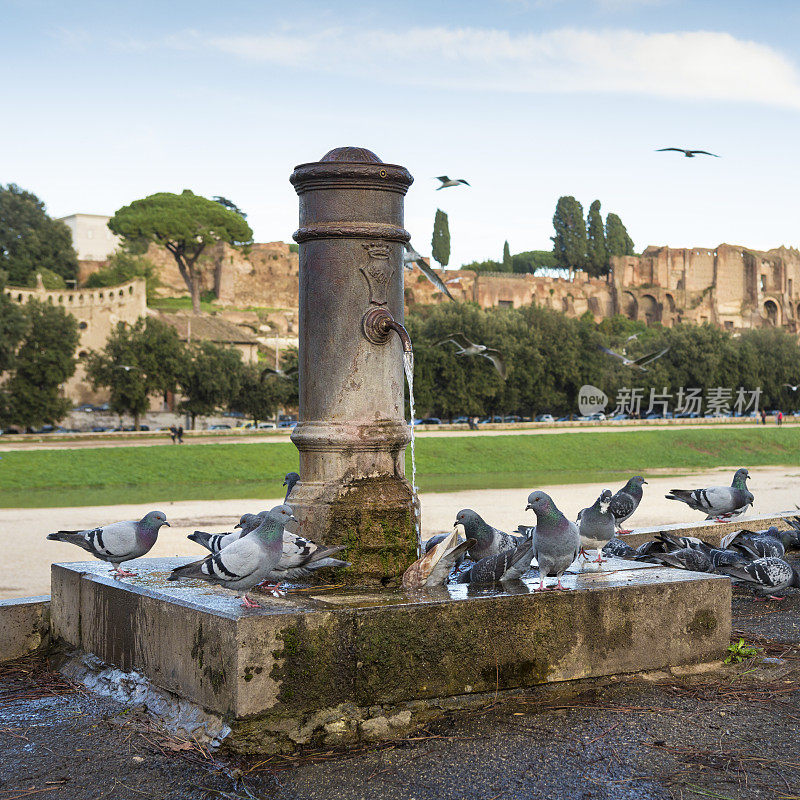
x: 718, y: 502
x: 619, y: 549
x: 627, y: 500
x: 556, y: 541
x: 434, y: 540
x: 635, y: 362
x: 117, y: 542
x: 217, y: 541
x: 723, y: 558
x: 245, y: 563
x: 687, y: 153
x: 434, y: 567
x: 597, y: 526
x: 759, y: 546
x: 448, y: 182
x: 790, y: 540
x: 468, y: 348
x: 769, y: 575
x: 685, y: 558
x: 488, y: 540
x: 289, y: 482
x: 412, y: 257
x: 510, y: 565
x: 792, y: 386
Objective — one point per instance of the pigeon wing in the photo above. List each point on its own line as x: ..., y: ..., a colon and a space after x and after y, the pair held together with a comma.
x: 113, y: 541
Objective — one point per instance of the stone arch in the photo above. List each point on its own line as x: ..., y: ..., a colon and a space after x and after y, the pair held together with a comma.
x: 649, y: 310
x: 771, y: 312
x: 670, y: 303
x: 630, y: 308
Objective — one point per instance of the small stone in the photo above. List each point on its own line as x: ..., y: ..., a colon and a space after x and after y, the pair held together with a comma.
x: 138, y: 760
x: 401, y: 720
x: 375, y: 728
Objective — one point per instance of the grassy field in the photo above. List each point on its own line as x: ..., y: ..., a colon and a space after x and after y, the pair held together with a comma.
x: 43, y: 478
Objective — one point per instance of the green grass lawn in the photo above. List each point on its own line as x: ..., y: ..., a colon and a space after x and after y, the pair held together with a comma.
x: 217, y: 471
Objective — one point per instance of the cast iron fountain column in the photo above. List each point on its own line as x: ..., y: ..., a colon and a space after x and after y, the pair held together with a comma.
x: 352, y: 432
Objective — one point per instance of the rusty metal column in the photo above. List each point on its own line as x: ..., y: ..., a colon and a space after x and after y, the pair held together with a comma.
x: 352, y: 432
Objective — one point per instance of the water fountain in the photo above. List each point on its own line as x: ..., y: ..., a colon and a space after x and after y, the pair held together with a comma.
x: 371, y: 661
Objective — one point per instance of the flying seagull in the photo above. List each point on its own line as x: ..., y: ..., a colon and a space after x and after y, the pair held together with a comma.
x: 792, y: 387
x: 126, y: 367
x: 412, y: 257
x: 468, y: 348
x: 635, y: 362
x: 448, y: 182
x: 285, y: 374
x: 687, y: 153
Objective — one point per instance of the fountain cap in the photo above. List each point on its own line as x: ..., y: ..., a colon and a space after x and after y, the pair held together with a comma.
x: 350, y: 168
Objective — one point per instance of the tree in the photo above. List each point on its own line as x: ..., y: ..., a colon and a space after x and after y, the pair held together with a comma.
x: 230, y: 205
x: 137, y: 361
x: 210, y: 379
x: 484, y: 266
x: 12, y: 328
x: 569, y: 243
x: 596, y: 252
x: 531, y: 260
x: 186, y: 225
x: 44, y: 359
x: 124, y: 266
x: 508, y: 264
x: 31, y: 241
x: 440, y: 244
x: 618, y: 243
x: 260, y: 396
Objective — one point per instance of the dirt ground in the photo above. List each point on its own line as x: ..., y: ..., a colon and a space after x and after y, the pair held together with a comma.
x: 730, y: 733
x: 23, y: 530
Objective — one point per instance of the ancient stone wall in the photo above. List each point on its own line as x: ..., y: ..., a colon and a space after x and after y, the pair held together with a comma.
x: 98, y: 311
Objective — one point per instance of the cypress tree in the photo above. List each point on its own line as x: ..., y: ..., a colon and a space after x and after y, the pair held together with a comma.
x: 618, y: 243
x: 596, y: 252
x: 440, y: 243
x: 569, y: 243
x: 508, y: 264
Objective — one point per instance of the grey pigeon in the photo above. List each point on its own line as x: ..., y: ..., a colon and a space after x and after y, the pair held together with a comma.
x: 556, y: 541
x: 468, y: 348
x: 245, y: 563
x: 435, y: 565
x: 685, y: 558
x: 718, y: 502
x: 723, y: 558
x: 488, y: 540
x: 448, y: 182
x: 627, y: 500
x: 217, y: 541
x: 510, y: 565
x: 597, y: 525
x: 770, y: 575
x: 759, y: 547
x: 788, y: 539
x: 289, y: 482
x: 619, y: 549
x: 412, y: 257
x: 118, y: 542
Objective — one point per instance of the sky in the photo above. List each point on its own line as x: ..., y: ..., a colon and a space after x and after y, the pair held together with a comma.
x: 528, y: 100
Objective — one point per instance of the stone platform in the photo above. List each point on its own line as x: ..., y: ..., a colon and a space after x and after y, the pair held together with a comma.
x: 337, y: 666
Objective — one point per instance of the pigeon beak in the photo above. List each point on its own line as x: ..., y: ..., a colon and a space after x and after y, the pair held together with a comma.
x: 644, y: 481
x: 167, y: 524
x: 293, y: 518
x: 529, y: 507
x: 238, y: 525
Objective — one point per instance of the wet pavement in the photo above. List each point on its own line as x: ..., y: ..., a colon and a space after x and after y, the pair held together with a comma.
x: 731, y: 733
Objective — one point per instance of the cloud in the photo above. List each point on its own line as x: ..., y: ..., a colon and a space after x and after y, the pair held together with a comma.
x: 698, y: 65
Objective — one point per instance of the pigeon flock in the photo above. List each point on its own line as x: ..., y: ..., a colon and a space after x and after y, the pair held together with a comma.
x: 264, y: 550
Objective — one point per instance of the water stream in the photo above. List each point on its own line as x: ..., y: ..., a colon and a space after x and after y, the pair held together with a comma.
x: 408, y: 367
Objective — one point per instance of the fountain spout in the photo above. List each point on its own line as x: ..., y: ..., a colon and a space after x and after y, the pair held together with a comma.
x: 378, y: 324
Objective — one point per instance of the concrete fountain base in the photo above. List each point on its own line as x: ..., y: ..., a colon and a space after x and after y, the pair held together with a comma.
x: 333, y: 667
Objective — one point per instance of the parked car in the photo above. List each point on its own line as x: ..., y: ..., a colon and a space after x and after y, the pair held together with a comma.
x: 545, y: 418
x: 235, y: 414
x: 618, y: 417
x: 598, y: 416
x: 512, y: 418
x: 85, y: 408
x: 431, y: 421
x: 219, y: 427
x: 101, y: 429
x: 460, y: 421
x: 287, y: 423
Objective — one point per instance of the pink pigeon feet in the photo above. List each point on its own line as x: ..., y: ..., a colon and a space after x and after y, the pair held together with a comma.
x: 248, y: 603
x: 599, y: 559
x: 624, y: 530
x: 757, y: 599
x: 275, y: 589
x: 123, y: 573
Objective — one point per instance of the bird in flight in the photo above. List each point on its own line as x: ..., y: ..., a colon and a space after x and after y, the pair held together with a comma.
x: 687, y: 153
x: 125, y: 367
x: 287, y: 374
x: 793, y: 388
x: 635, y: 362
x: 448, y: 182
x: 468, y: 348
x: 412, y: 257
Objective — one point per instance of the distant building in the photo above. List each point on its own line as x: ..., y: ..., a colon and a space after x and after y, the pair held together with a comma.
x: 205, y: 328
x: 91, y: 237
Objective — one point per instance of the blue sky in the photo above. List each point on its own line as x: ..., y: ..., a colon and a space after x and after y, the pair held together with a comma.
x: 526, y: 99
